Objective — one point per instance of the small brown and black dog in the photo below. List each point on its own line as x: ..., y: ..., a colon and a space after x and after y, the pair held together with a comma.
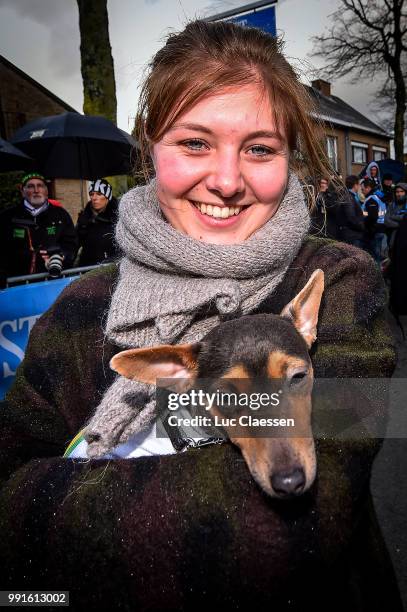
x: 246, y: 349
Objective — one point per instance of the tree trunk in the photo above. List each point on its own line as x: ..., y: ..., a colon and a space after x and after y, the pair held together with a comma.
x: 99, y: 88
x: 396, y: 66
x: 399, y: 118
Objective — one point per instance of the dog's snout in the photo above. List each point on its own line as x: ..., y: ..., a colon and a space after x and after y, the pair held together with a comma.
x: 288, y: 483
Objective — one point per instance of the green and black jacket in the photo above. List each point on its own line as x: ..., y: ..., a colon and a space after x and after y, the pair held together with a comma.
x: 191, y: 531
x: 22, y: 236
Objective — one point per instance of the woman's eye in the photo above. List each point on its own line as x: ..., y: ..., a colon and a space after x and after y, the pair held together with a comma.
x: 260, y: 150
x: 194, y: 144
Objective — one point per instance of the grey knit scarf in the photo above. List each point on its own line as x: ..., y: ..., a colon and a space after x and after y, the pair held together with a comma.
x: 167, y: 279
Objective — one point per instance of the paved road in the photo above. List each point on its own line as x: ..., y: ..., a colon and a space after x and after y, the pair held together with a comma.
x: 389, y: 479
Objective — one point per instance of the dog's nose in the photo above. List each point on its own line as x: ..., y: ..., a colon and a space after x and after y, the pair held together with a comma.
x: 289, y: 483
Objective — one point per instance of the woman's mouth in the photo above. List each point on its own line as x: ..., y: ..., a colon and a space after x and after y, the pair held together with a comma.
x: 219, y: 212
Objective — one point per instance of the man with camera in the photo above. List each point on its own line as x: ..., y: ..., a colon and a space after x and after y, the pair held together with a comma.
x: 35, y: 236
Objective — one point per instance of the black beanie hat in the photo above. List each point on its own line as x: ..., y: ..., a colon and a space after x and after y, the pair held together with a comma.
x: 101, y: 186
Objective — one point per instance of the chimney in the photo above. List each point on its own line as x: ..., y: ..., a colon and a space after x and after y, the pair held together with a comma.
x: 323, y: 86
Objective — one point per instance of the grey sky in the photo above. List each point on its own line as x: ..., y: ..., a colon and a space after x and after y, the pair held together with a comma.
x: 41, y: 37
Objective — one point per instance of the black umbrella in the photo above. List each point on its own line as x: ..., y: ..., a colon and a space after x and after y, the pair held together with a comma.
x: 71, y: 145
x: 12, y: 158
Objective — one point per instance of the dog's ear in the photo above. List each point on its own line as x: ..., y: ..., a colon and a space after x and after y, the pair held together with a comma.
x: 159, y: 362
x: 303, y: 309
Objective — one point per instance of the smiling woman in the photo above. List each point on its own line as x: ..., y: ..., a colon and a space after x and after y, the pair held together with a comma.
x: 218, y: 231
x: 223, y: 167
x: 235, y: 114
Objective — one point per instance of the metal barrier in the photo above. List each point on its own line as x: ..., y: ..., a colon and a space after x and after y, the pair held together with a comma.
x: 44, y: 276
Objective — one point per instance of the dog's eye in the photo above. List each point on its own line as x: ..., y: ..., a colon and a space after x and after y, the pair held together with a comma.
x: 297, y: 377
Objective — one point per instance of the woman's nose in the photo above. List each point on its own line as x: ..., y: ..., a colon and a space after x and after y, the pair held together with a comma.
x: 225, y: 176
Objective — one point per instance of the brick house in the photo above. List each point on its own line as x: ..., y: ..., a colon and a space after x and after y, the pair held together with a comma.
x: 23, y: 99
x: 352, y: 140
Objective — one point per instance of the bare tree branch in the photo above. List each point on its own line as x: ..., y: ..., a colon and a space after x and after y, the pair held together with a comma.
x: 366, y: 40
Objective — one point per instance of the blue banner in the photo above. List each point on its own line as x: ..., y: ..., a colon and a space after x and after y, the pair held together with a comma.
x: 264, y: 19
x: 20, y: 307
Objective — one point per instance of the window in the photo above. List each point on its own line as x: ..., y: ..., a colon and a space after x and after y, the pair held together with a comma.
x: 332, y: 151
x: 379, y: 153
x: 359, y: 152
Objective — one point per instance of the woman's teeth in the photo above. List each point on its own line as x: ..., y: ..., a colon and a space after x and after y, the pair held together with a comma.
x: 216, y: 211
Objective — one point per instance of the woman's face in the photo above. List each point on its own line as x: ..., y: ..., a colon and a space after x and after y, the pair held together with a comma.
x: 221, y: 168
x: 400, y: 193
x: 98, y: 201
x: 373, y: 171
x: 323, y: 185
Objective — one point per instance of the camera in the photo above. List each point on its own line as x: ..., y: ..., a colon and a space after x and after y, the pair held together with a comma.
x: 55, y: 262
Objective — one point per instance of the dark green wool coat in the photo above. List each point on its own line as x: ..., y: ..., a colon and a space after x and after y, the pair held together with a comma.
x: 191, y: 531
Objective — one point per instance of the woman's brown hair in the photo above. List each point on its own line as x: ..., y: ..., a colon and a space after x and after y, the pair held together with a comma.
x: 207, y: 57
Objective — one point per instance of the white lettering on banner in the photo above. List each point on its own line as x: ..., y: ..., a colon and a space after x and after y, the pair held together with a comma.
x: 7, y: 371
x: 6, y: 344
x: 9, y: 346
x: 30, y: 320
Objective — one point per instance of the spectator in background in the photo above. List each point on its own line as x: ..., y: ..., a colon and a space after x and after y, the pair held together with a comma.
x: 398, y: 284
x: 388, y: 188
x: 373, y: 173
x: 374, y: 222
x: 400, y: 194
x: 324, y: 215
x: 388, y: 199
x: 395, y: 212
x: 35, y: 235
x: 350, y: 215
x: 95, y: 227
x: 352, y: 185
